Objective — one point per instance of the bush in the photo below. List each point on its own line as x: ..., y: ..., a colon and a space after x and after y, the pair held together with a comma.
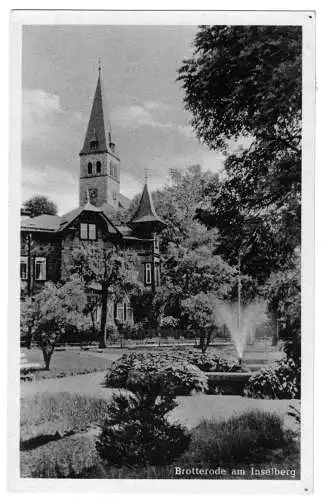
x: 156, y: 373
x: 67, y: 457
x: 136, y: 433
x: 279, y: 381
x: 242, y: 439
x: 212, y: 362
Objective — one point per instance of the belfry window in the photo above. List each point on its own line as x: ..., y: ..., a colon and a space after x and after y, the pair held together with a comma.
x: 98, y: 167
x: 90, y: 168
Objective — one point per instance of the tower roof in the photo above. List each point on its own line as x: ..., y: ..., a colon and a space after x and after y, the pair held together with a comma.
x: 146, y: 211
x: 99, y: 129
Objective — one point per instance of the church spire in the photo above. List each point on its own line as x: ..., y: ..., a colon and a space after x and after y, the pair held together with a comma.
x: 98, y: 135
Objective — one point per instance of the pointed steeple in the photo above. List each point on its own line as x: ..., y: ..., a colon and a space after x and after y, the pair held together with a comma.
x: 98, y: 135
x: 146, y: 214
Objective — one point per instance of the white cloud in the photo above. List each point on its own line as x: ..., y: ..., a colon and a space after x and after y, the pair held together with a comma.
x: 58, y: 185
x: 39, y: 109
x: 135, y: 116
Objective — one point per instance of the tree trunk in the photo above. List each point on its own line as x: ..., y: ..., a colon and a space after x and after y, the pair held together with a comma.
x: 103, y: 320
x: 47, y: 354
x: 275, y: 328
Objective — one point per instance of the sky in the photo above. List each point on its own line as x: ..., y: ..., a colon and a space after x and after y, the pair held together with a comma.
x: 150, y: 127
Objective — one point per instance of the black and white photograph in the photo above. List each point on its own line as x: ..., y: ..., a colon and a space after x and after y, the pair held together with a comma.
x: 165, y: 203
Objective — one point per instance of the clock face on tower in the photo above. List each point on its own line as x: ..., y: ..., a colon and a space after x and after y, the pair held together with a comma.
x: 93, y: 195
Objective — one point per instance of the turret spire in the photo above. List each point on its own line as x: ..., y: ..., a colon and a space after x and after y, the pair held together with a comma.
x: 146, y: 213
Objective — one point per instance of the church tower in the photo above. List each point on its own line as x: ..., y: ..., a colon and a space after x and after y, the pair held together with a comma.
x: 99, y: 162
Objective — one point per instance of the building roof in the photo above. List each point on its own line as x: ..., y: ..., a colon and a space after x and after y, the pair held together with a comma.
x: 47, y: 223
x: 56, y: 224
x: 146, y: 211
x: 99, y: 128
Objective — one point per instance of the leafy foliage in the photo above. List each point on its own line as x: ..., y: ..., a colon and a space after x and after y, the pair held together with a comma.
x: 39, y: 205
x: 212, y: 362
x: 280, y: 381
x: 257, y: 94
x: 256, y: 203
x: 53, y: 310
x: 114, y: 270
x: 241, y: 439
x: 155, y: 374
x: 283, y: 291
x: 136, y: 433
x: 202, y: 315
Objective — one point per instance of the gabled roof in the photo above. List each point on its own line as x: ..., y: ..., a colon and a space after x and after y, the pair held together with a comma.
x: 56, y: 224
x: 99, y: 128
x: 47, y: 223
x: 146, y: 211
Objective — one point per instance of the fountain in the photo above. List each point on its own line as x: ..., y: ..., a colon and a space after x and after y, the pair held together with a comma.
x: 242, y: 322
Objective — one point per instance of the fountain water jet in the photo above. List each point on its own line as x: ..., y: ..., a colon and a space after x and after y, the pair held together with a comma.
x: 242, y: 322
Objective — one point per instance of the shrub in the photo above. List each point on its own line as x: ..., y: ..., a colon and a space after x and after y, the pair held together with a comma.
x: 156, y: 373
x: 279, y: 381
x: 67, y: 457
x: 212, y: 362
x: 136, y: 433
x: 241, y: 439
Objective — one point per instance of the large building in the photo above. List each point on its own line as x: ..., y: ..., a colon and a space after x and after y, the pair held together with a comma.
x: 47, y: 241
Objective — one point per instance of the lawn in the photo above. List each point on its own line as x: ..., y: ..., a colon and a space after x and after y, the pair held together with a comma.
x: 66, y: 363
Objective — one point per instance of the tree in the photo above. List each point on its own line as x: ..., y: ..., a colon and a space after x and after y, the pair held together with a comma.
x: 245, y: 81
x: 283, y: 293
x: 257, y: 96
x: 202, y: 313
x: 113, y: 270
x: 191, y: 268
x: 51, y: 311
x: 39, y: 205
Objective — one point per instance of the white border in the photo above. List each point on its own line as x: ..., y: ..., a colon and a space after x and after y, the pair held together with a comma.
x: 175, y: 18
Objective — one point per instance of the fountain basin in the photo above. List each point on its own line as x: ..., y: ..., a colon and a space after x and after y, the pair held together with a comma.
x: 228, y: 382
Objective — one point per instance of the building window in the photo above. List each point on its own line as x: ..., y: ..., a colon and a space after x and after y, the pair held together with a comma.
x: 90, y: 168
x: 24, y: 268
x: 88, y: 231
x: 157, y: 275
x: 93, y: 144
x: 98, y: 167
x: 148, y: 274
x: 40, y: 268
x: 124, y: 312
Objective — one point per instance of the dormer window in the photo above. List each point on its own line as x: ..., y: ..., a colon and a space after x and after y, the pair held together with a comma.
x: 98, y: 167
x: 90, y: 168
x: 93, y: 144
x: 88, y: 231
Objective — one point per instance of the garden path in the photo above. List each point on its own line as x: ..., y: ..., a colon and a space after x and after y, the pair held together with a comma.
x: 190, y: 409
